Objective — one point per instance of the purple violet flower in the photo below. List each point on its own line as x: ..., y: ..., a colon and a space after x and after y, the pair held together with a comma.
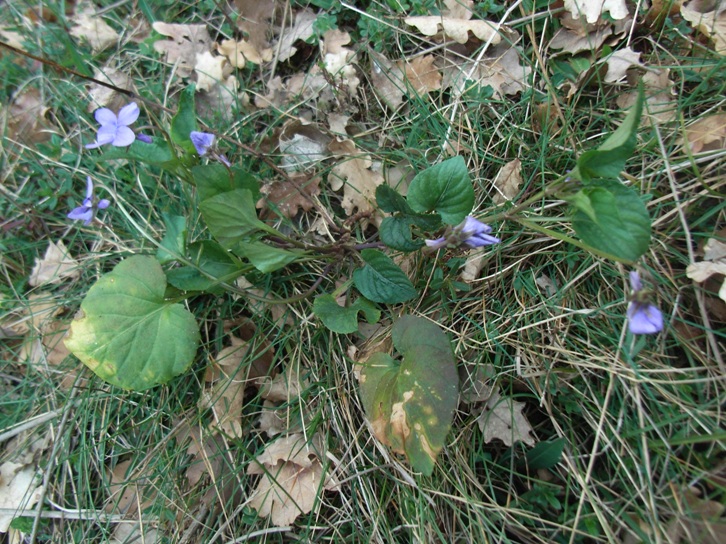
x: 643, y: 317
x: 202, y: 141
x: 86, y: 212
x: 470, y: 232
x: 114, y: 128
x: 476, y: 233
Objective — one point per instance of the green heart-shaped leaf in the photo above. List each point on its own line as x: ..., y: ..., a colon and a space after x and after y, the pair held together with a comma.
x: 344, y: 319
x: 411, y: 403
x: 445, y: 188
x: 128, y: 334
x: 381, y: 280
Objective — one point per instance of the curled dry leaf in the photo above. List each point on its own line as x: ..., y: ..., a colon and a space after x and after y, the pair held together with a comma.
x: 456, y: 29
x: 707, y: 134
x: 291, y: 478
x: 283, y: 387
x: 714, y: 263
x: 211, y: 70
x: 577, y: 35
x: 592, y: 10
x: 421, y: 74
x: 184, y: 44
x: 711, y: 23
x: 618, y: 63
x: 25, y: 118
x: 55, y: 266
x: 502, y: 418
x: 93, y: 29
x: 302, y: 145
x: 354, y: 172
x: 459, y: 9
x: 302, y: 29
x: 339, y: 61
x: 46, y: 352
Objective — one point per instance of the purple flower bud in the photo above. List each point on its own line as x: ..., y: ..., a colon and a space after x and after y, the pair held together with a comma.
x: 202, y: 141
x: 114, y: 128
x: 86, y: 212
x: 143, y: 138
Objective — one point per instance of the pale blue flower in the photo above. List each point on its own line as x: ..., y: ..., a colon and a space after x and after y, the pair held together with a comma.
x: 87, y: 211
x: 202, y: 141
x: 643, y: 317
x: 114, y: 128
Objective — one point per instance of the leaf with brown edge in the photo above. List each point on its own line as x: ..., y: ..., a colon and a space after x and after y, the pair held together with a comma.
x: 410, y: 403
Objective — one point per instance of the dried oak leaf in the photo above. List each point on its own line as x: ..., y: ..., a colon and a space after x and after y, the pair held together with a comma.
x: 456, y: 29
x: 354, y: 172
x: 241, y: 52
x: 714, y: 262
x: 500, y: 69
x: 577, y: 35
x: 184, y: 44
x: 339, y: 61
x: 421, y: 74
x: 619, y: 62
x: 707, y: 134
x: 254, y: 20
x: 711, y: 23
x: 303, y: 145
x: 591, y: 10
x: 291, y: 477
x: 302, y: 29
x: 659, y: 97
x: 459, y: 9
x: 101, y: 96
x: 94, y: 30
x: 387, y: 80
x: 502, y: 418
x: 55, y: 266
x: 508, y: 181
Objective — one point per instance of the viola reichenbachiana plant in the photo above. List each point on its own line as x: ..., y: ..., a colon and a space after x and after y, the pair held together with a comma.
x: 135, y: 333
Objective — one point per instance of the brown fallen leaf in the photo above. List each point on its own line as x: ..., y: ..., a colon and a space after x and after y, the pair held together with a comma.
x: 101, y: 96
x: 55, y: 266
x: 387, y: 80
x: 20, y: 489
x: 254, y: 21
x: 578, y: 35
x: 707, y: 134
x: 508, y: 181
x: 289, y: 197
x: 592, y: 10
x: 660, y: 106
x: 241, y: 52
x: 456, y: 29
x: 711, y: 22
x: 93, y: 29
x: 459, y: 9
x: 421, y: 74
x: 355, y: 174
x: 291, y: 478
x: 502, y: 418
x: 47, y: 351
x: 285, y: 386
x: 701, y: 522
x: 25, y: 118
x: 713, y: 263
x: 500, y: 69
x: 184, y: 44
